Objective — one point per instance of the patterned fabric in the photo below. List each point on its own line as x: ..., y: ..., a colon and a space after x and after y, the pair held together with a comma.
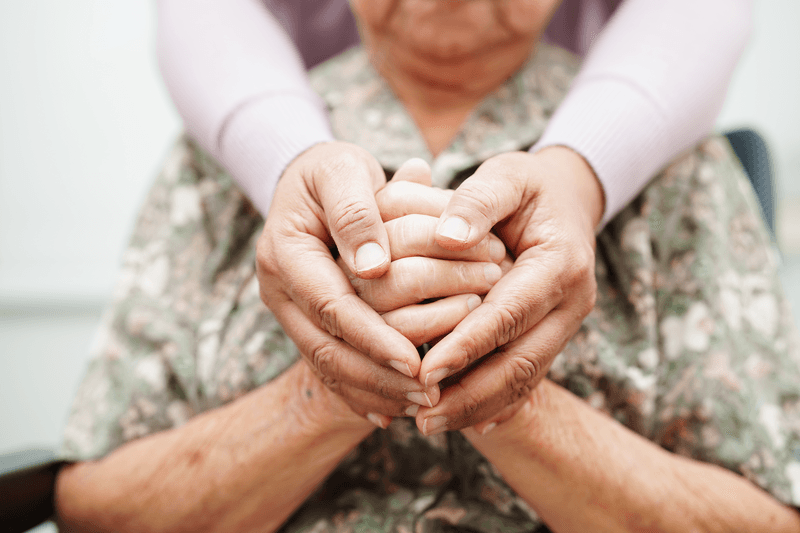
x: 691, y: 343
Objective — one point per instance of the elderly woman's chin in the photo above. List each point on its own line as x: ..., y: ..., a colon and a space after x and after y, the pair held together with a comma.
x: 447, y: 31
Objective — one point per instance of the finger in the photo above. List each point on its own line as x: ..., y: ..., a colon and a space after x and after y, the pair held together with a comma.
x: 520, y: 299
x: 338, y: 364
x: 497, y: 189
x: 345, y: 188
x: 375, y: 408
x: 425, y: 323
x: 502, y: 379
x: 402, y: 198
x: 414, y: 170
x: 415, y: 235
x: 413, y: 279
x: 316, y: 283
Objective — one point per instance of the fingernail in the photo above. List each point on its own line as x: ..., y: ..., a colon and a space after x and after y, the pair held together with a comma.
x: 473, y: 302
x: 434, y: 425
x: 433, y: 392
x: 497, y: 250
x: 436, y: 376
x: 401, y: 367
x: 492, y: 273
x: 419, y: 398
x: 411, y: 410
x: 455, y: 228
x: 488, y: 428
x: 369, y: 256
x: 377, y: 420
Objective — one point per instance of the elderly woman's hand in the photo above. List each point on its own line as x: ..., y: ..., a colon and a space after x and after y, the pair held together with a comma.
x: 349, y: 346
x: 545, y: 208
x: 421, y: 271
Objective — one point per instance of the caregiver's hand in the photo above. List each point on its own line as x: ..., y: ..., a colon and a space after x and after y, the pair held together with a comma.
x: 326, y: 198
x: 545, y: 208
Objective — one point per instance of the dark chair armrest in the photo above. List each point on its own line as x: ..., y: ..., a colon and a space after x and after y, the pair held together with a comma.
x: 27, y: 487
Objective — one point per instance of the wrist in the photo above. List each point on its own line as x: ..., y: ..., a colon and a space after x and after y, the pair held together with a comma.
x: 316, y: 410
x: 577, y: 176
x: 525, y: 428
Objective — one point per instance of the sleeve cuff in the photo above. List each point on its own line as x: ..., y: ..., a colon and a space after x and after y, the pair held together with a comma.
x: 618, y: 130
x: 264, y: 136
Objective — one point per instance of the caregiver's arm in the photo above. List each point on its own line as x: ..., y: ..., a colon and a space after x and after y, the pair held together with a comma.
x: 241, y: 88
x: 583, y: 471
x: 651, y: 86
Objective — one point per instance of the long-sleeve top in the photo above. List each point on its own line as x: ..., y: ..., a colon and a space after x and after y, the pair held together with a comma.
x: 652, y: 82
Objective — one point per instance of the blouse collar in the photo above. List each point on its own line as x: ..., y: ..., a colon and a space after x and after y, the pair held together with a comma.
x: 363, y: 110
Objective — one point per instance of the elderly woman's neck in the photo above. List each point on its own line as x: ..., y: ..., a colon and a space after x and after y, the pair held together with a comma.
x: 440, y: 95
x: 442, y: 57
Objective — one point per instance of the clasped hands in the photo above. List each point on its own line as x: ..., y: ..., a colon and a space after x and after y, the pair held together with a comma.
x: 357, y: 318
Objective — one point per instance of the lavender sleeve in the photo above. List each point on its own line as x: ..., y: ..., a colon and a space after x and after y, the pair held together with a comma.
x: 239, y: 82
x: 651, y: 86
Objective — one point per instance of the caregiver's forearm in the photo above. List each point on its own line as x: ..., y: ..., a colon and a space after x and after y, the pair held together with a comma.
x: 243, y: 467
x: 240, y: 87
x: 651, y: 86
x: 582, y: 471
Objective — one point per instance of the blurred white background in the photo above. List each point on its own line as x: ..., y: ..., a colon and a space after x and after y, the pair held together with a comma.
x: 84, y: 124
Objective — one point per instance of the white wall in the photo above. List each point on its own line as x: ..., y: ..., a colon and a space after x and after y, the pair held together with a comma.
x: 766, y: 88
x: 84, y: 123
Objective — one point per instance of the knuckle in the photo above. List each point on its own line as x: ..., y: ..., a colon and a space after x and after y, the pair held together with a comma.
x: 521, y: 376
x: 580, y: 266
x: 341, y: 162
x: 266, y: 264
x: 324, y: 361
x: 469, y: 407
x: 471, y: 348
x: 350, y: 216
x: 332, y: 384
x: 510, y: 322
x: 377, y: 385
x: 330, y: 313
x: 481, y: 197
x: 327, y: 310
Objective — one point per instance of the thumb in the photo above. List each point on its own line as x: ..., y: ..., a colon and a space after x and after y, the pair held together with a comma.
x: 495, y: 191
x: 346, y: 192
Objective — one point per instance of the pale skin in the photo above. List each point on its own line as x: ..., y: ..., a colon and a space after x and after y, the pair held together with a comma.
x: 246, y: 466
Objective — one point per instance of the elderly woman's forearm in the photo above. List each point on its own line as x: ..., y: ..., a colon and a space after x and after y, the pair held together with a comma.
x: 583, y: 471
x: 246, y: 466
